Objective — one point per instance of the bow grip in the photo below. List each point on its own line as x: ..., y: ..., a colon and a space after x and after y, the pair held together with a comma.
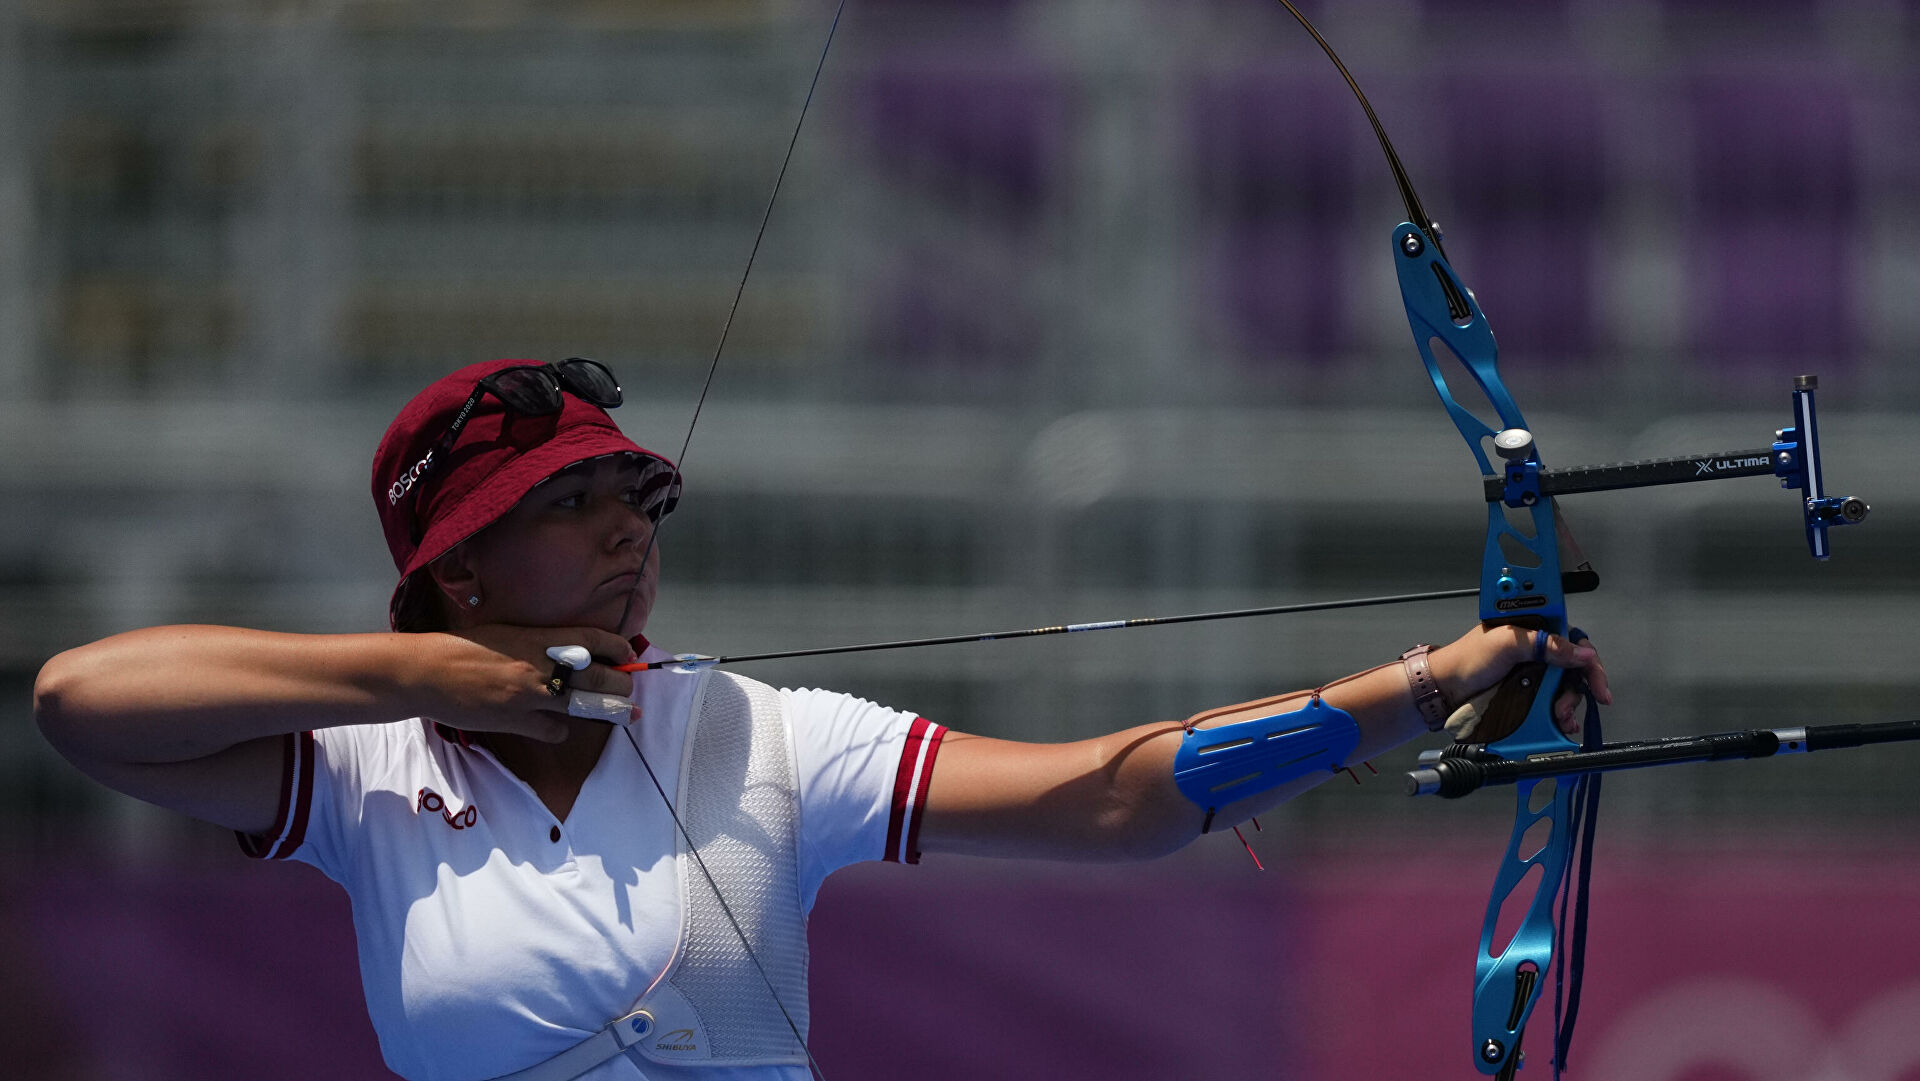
x: 1511, y: 703
x: 1513, y: 699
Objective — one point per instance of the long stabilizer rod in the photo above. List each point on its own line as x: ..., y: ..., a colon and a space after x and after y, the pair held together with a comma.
x: 1456, y: 771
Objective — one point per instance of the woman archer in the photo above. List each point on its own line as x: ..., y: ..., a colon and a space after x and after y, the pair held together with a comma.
x: 543, y: 889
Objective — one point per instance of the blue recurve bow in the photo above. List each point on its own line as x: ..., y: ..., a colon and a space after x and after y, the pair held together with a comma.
x: 1523, y: 582
x: 1528, y: 566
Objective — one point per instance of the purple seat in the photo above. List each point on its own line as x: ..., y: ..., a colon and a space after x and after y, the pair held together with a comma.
x: 1535, y: 15
x: 969, y: 9
x: 930, y: 315
x: 1793, y: 19
x: 1773, y: 296
x: 1775, y: 142
x: 1279, y: 289
x: 1772, y: 222
x: 1274, y: 177
x: 989, y: 25
x: 1258, y: 18
x: 1523, y: 202
x: 1901, y: 168
x: 992, y: 141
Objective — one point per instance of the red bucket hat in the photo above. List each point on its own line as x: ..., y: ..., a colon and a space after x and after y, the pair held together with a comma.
x: 428, y: 507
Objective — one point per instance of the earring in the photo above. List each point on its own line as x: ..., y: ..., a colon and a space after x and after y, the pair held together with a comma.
x: 473, y: 601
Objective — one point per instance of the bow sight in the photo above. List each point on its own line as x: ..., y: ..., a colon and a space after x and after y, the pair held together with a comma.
x: 1455, y: 771
x: 1794, y: 457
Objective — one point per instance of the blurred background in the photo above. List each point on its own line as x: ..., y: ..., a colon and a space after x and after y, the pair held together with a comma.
x: 1069, y: 310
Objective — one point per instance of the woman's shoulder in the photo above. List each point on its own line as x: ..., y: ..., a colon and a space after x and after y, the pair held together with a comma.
x: 407, y: 732
x: 372, y: 750
x: 817, y: 708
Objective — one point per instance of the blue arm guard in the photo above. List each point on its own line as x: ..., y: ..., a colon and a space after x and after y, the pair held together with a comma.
x: 1216, y: 766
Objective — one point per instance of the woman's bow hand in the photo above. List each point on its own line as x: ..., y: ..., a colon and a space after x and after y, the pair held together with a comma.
x: 1471, y: 668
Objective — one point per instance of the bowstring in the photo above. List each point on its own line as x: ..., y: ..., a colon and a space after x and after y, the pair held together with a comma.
x: 653, y: 540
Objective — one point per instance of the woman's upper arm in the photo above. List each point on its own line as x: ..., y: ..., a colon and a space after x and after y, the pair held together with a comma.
x: 1096, y: 799
x: 131, y: 711
x: 240, y: 788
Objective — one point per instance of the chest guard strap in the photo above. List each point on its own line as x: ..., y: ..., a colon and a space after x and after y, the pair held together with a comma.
x: 1216, y: 766
x: 739, y: 799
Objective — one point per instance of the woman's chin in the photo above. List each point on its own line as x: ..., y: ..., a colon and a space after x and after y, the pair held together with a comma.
x: 625, y: 620
x: 609, y: 611
x: 611, y: 618
x: 629, y: 614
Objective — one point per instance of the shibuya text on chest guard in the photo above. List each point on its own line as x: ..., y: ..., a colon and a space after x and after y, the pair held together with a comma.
x: 1216, y: 766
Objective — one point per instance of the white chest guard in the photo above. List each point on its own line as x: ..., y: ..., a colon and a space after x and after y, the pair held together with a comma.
x: 739, y: 800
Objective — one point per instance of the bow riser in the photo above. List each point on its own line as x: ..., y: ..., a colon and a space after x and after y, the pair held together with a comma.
x: 1520, y: 583
x: 1520, y: 571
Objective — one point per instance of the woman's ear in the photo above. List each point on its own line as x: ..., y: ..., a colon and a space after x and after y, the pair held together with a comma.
x: 456, y: 578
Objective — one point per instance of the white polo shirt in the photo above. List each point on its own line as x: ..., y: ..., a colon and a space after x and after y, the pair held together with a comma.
x: 492, y: 935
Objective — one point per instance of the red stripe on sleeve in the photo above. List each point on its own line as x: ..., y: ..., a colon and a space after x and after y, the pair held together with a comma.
x: 259, y: 846
x: 924, y: 779
x: 450, y: 734
x: 910, y: 790
x: 302, y: 800
x: 903, y: 784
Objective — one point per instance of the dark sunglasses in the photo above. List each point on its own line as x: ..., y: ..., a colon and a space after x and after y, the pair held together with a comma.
x: 532, y: 390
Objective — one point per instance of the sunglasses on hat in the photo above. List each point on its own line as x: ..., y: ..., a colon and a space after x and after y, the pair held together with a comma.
x: 528, y: 389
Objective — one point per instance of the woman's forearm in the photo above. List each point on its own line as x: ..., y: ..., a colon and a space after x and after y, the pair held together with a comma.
x: 170, y: 694
x: 1113, y: 798
x: 1382, y: 703
x: 1160, y: 819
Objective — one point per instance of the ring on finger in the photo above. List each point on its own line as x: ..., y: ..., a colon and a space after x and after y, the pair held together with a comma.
x: 566, y: 661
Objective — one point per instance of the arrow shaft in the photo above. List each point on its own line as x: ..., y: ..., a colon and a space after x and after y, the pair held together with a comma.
x: 1072, y: 628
